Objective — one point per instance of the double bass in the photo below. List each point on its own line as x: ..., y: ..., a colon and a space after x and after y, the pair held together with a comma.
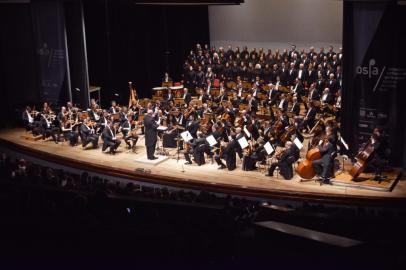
x: 362, y: 157
x: 305, y: 169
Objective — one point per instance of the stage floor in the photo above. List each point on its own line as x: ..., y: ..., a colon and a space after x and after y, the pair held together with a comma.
x: 173, y: 172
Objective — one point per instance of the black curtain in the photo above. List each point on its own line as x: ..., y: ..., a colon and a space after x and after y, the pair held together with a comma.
x: 18, y: 77
x: 374, y: 70
x: 138, y: 43
x: 76, y: 41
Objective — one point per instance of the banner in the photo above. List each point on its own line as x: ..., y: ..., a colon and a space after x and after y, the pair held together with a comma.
x: 374, y: 69
x: 49, y: 30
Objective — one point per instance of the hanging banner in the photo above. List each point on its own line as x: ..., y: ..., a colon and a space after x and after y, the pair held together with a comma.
x: 374, y: 75
x: 49, y: 29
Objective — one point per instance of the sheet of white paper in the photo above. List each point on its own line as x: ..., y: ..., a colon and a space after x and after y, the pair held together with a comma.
x: 162, y: 128
x: 211, y: 140
x: 269, y: 148
x: 344, y: 143
x: 243, y: 142
x: 247, y: 132
x: 298, y: 143
x: 186, y: 136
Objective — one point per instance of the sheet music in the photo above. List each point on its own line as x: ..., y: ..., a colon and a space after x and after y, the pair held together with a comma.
x: 269, y: 148
x: 211, y: 140
x: 186, y: 136
x: 247, y: 132
x: 344, y: 143
x: 243, y: 142
x: 162, y: 128
x: 298, y: 143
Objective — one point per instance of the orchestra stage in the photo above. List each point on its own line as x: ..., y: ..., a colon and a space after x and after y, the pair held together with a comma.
x: 173, y: 173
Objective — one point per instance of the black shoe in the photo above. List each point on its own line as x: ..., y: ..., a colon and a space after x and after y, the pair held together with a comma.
x: 188, y: 163
x: 326, y: 181
x: 154, y: 157
x: 222, y: 167
x: 270, y: 175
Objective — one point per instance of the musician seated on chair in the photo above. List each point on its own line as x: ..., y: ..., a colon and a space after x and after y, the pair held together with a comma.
x: 28, y: 119
x: 309, y: 120
x: 88, y: 134
x: 256, y: 154
x: 227, y: 153
x: 197, y: 148
x: 129, y: 134
x: 109, y: 138
x: 324, y: 165
x: 284, y: 160
x: 378, y: 159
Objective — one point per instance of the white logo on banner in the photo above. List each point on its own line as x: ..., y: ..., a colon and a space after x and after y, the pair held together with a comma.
x: 370, y: 70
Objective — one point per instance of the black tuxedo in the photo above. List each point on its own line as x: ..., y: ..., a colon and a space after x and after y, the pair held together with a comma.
x: 323, y: 166
x: 187, y: 98
x: 291, y: 76
x: 315, y: 95
x: 169, y: 97
x: 283, y: 105
x: 109, y: 140
x: 272, y: 96
x: 320, y: 85
x: 112, y: 110
x: 333, y: 86
x: 285, y: 164
x: 311, y: 76
x: 295, y: 108
x: 309, y: 118
x: 151, y: 133
x: 88, y: 135
x: 302, y: 75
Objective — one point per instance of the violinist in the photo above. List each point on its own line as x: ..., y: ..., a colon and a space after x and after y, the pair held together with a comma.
x: 324, y: 166
x: 203, y: 96
x: 272, y: 96
x: 295, y: 109
x: 192, y: 125
x: 28, y: 118
x: 309, y: 119
x: 187, y: 97
x: 103, y: 121
x: 109, y: 138
x: 113, y: 108
x: 49, y: 127
x: 284, y: 158
x: 46, y: 109
x: 68, y: 130
x: 88, y: 134
x: 252, y: 105
x: 283, y: 103
x: 129, y: 134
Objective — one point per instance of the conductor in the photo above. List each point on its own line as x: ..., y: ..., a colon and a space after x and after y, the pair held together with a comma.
x: 151, y: 133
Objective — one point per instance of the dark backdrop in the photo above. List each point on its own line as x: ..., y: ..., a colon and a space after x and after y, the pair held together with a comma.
x: 375, y: 74
x: 18, y: 77
x: 138, y: 43
x: 124, y: 42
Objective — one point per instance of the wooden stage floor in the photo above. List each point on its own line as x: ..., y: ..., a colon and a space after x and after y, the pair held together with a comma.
x: 207, y: 177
